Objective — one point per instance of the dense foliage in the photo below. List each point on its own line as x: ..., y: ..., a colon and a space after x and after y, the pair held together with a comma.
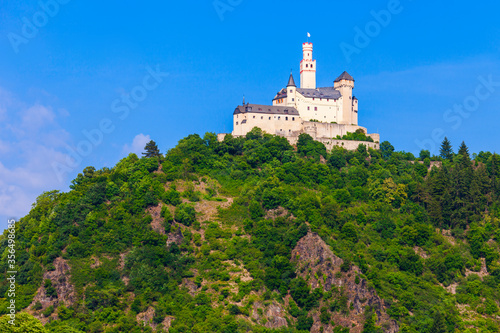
x: 424, y: 236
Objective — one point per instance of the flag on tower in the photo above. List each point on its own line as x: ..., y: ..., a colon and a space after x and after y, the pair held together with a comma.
x: 308, y: 35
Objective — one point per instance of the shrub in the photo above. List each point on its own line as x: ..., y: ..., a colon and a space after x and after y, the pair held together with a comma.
x: 185, y: 214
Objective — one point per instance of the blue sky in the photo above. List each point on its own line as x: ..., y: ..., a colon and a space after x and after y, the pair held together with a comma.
x: 423, y: 70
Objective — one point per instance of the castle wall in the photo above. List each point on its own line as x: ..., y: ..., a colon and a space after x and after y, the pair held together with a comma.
x: 346, y: 144
x: 328, y: 110
x: 329, y: 143
x: 269, y: 123
x: 326, y: 130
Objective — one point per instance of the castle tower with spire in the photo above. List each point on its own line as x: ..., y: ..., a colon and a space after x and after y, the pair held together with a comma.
x: 307, y: 67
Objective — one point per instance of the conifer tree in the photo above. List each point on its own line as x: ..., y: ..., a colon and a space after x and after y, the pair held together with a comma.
x: 151, y: 149
x: 446, y: 151
x: 463, y: 150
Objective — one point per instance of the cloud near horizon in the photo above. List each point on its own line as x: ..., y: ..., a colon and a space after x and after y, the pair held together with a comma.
x: 137, y: 146
x: 30, y: 141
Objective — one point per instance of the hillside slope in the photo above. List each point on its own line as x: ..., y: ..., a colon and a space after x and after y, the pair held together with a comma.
x: 254, y: 235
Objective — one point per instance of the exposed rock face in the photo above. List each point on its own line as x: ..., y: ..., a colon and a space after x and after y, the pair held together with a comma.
x: 175, y: 237
x: 60, y: 281
x: 273, y: 315
x: 147, y: 317
x: 314, y: 258
x: 157, y: 223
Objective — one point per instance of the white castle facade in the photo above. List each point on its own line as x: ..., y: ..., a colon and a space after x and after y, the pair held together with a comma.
x: 324, y: 113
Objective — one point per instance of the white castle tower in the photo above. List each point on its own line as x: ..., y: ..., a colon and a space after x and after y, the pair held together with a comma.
x: 307, y: 67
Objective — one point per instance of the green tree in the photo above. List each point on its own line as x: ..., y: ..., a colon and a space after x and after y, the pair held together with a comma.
x: 446, y: 151
x: 151, y: 150
x: 438, y: 326
x: 386, y: 149
x: 24, y: 323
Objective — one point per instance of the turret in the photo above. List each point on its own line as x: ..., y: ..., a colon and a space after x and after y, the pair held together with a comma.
x: 345, y: 84
x: 307, y: 67
x: 291, y: 93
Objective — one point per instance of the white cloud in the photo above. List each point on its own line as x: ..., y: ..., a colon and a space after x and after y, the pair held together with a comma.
x: 30, y: 141
x: 36, y: 117
x: 137, y: 146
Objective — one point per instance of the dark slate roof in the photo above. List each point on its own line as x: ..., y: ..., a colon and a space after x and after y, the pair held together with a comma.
x: 326, y: 92
x: 291, y: 81
x: 344, y: 76
x: 281, y: 94
x: 268, y: 109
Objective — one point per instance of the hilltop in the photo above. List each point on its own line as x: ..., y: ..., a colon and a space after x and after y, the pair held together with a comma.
x: 252, y: 234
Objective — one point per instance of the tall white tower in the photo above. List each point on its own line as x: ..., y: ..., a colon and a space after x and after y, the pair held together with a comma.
x: 307, y: 67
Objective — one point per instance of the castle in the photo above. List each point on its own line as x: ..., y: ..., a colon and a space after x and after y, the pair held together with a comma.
x: 323, y: 113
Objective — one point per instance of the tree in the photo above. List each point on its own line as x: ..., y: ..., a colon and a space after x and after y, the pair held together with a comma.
x: 424, y: 154
x: 446, y: 151
x: 151, y: 150
x: 464, y: 152
x: 24, y: 323
x: 386, y: 149
x: 439, y: 325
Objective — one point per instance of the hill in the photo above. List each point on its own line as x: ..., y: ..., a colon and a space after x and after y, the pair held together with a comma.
x: 254, y: 235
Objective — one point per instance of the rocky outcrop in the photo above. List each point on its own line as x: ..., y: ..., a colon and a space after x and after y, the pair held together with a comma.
x: 60, y: 281
x: 321, y: 268
x: 175, y: 237
x: 157, y: 222
x: 271, y: 316
x: 147, y: 316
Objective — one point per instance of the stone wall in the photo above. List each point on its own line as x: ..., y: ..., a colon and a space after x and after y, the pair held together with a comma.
x: 329, y: 143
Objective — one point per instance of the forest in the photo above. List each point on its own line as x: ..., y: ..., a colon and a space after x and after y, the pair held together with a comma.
x: 202, y: 239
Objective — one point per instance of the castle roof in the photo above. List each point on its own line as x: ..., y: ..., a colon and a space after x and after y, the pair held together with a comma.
x: 267, y: 109
x: 326, y: 92
x: 344, y: 76
x: 291, y: 81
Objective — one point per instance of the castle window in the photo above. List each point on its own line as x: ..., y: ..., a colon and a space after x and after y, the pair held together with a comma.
x: 253, y: 117
x: 286, y: 118
x: 262, y: 117
x: 307, y: 65
x: 328, y: 100
x: 293, y: 99
x: 315, y: 108
x: 313, y: 98
x: 291, y: 91
x: 279, y: 117
x: 269, y: 118
x: 311, y: 66
x: 308, y: 108
x: 236, y: 123
x: 293, y: 118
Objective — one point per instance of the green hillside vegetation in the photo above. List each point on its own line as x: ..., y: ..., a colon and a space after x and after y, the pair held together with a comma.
x: 200, y: 240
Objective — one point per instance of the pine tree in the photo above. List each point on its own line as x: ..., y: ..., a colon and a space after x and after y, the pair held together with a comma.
x: 446, y: 151
x: 151, y: 149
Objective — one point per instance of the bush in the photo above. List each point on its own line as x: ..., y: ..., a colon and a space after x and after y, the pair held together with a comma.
x: 48, y: 311
x: 185, y: 214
